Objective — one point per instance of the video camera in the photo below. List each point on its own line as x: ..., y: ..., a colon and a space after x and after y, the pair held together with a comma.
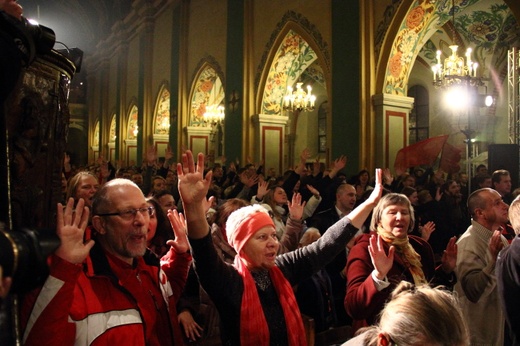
x: 23, y: 256
x: 30, y: 38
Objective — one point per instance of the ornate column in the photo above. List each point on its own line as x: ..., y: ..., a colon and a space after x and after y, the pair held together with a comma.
x: 199, y: 139
x: 392, y: 112
x: 269, y: 139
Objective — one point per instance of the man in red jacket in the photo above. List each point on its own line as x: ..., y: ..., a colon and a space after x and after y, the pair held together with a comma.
x: 109, y: 289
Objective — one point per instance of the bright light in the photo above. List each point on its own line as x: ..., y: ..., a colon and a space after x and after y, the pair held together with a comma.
x: 33, y: 22
x: 489, y: 101
x: 457, y: 98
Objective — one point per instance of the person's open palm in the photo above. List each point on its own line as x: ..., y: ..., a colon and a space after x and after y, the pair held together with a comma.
x: 381, y: 261
x: 296, y: 207
x: 71, y: 225
x: 377, y: 192
x: 449, y: 256
x: 193, y: 186
x: 180, y: 244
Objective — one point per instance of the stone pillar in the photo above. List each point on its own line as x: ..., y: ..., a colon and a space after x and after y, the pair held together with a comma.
x: 392, y: 113
x: 199, y: 139
x: 270, y: 141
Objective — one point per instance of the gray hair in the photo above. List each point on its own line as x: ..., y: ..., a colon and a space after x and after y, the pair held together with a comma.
x: 514, y: 214
x: 388, y: 200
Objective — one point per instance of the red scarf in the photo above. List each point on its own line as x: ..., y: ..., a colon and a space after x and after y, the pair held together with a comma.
x: 253, y: 325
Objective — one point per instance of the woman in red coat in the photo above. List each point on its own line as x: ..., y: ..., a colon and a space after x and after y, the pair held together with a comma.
x: 387, y: 255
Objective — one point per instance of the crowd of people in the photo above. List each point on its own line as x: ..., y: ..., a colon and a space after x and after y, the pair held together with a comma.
x: 191, y: 252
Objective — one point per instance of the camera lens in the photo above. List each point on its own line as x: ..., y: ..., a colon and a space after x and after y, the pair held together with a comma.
x: 23, y: 257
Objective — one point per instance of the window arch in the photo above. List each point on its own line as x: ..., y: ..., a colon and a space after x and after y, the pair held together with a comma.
x: 419, y: 121
x: 113, y: 134
x: 162, y: 113
x: 132, y: 129
x: 208, y: 91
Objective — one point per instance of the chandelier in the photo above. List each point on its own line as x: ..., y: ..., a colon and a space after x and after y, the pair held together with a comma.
x: 455, y: 70
x: 299, y: 100
x: 214, y: 114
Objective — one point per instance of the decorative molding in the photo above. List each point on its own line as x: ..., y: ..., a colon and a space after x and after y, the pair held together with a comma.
x: 383, y: 26
x: 209, y: 60
x: 292, y: 16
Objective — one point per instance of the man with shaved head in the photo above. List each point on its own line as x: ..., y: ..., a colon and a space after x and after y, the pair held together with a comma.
x: 110, y: 289
x: 476, y: 285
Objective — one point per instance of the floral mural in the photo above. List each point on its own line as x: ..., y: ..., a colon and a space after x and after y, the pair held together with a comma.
x: 408, y: 41
x: 488, y: 28
x: 112, y: 132
x: 209, y: 91
x: 292, y: 58
x: 95, y: 140
x: 162, y: 115
x: 132, y: 128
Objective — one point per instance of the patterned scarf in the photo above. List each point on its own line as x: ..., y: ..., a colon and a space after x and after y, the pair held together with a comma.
x: 253, y: 325
x: 411, y: 258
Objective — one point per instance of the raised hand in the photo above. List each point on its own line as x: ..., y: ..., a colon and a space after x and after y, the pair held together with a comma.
x: 316, y: 166
x: 438, y: 194
x: 208, y: 203
x: 262, y: 189
x: 313, y: 190
x: 427, y: 229
x: 248, y: 179
x: 193, y: 186
x: 449, y: 256
x: 180, y: 244
x: 306, y: 153
x: 340, y: 163
x: 296, y: 207
x: 381, y: 261
x: 70, y: 228
x: 377, y: 192
x: 388, y: 177
x: 151, y: 155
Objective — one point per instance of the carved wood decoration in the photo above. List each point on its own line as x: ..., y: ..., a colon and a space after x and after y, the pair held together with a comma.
x: 37, y: 120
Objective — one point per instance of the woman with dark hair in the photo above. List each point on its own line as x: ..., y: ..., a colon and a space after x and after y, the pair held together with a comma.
x: 276, y: 202
x: 387, y: 255
x: 362, y: 183
x: 159, y: 229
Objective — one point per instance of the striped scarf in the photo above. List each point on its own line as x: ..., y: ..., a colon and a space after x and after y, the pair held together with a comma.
x: 411, y: 258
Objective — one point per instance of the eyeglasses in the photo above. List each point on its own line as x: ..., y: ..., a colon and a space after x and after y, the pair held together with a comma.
x: 131, y: 213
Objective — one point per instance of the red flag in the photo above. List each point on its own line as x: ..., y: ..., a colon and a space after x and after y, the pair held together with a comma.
x: 420, y: 153
x: 450, y: 159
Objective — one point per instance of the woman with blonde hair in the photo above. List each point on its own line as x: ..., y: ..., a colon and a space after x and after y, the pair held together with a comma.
x: 416, y: 316
x: 82, y: 185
